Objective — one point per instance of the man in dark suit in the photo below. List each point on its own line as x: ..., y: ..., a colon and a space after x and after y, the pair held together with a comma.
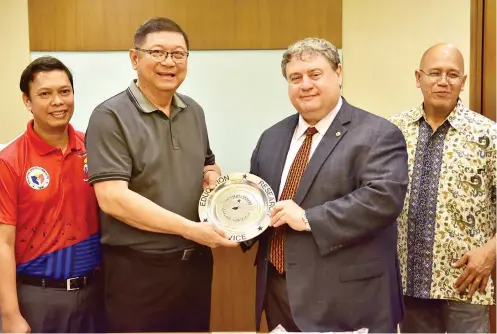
x: 330, y: 261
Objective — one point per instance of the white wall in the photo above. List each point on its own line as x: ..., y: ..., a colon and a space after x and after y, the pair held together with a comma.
x: 382, y: 44
x: 242, y: 93
x: 14, y: 38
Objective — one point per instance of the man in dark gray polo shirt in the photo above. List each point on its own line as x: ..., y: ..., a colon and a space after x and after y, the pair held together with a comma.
x: 149, y: 160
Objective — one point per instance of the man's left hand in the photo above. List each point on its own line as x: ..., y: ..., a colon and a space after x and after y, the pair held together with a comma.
x: 479, y: 264
x: 287, y: 212
x: 210, y: 178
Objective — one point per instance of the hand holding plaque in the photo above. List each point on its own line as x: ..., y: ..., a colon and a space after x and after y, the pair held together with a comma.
x: 239, y: 204
x: 209, y: 234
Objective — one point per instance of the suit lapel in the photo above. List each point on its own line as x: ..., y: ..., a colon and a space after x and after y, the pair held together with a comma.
x: 332, y: 137
x: 282, y: 145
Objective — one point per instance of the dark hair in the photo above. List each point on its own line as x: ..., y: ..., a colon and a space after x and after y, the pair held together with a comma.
x: 158, y: 24
x: 42, y: 64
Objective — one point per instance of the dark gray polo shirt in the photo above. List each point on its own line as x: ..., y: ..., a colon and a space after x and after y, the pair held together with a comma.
x: 161, y: 157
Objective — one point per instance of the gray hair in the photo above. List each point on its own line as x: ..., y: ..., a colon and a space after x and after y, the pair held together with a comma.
x: 311, y: 45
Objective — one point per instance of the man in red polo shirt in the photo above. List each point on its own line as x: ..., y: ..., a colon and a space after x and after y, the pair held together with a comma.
x: 49, y: 228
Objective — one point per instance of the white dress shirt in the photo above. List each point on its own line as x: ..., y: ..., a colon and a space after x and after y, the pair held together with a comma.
x: 299, y: 136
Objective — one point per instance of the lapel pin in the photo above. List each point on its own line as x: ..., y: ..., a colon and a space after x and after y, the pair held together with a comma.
x: 338, y: 133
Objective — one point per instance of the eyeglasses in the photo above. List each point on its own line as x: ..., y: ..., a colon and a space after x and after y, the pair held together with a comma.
x: 436, y: 76
x: 161, y: 55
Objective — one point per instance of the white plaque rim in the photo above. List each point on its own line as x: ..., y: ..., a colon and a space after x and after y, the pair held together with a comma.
x: 256, y: 228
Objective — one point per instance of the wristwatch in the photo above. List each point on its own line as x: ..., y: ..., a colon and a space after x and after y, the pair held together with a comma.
x: 306, y: 222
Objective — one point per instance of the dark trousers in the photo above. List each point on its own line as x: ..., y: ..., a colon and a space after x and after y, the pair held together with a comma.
x: 440, y: 316
x: 51, y: 310
x: 276, y: 303
x: 147, y: 292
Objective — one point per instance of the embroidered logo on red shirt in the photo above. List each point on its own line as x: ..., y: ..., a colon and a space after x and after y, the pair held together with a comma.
x: 37, y: 178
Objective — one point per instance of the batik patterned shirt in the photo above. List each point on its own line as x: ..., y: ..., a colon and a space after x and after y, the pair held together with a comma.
x: 450, y: 207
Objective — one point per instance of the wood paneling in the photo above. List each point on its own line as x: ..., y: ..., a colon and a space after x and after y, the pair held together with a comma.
x: 476, y: 55
x: 482, y: 66
x: 233, y: 290
x: 489, y: 67
x: 103, y: 25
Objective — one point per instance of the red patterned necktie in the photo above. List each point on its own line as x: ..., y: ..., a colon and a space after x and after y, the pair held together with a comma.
x: 277, y: 250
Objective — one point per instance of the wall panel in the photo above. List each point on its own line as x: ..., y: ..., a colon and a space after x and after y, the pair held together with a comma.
x: 489, y: 61
x: 483, y: 59
x: 383, y: 41
x: 109, y: 25
x: 15, y: 56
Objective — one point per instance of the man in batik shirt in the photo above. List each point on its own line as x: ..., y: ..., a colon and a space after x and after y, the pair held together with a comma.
x: 447, y: 228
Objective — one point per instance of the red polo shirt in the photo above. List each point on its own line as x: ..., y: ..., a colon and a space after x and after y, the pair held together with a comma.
x: 46, y: 195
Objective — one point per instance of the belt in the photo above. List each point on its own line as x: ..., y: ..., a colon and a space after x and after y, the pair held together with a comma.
x: 180, y: 255
x: 187, y: 254
x: 70, y: 284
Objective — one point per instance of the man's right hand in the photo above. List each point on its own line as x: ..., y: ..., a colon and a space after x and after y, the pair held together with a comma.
x: 14, y: 323
x: 208, y: 234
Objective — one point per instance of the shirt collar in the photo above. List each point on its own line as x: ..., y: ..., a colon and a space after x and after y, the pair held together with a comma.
x: 456, y: 117
x: 43, y: 148
x: 322, y: 126
x: 145, y: 104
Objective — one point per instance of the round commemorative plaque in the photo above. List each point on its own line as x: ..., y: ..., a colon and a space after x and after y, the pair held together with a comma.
x: 239, y: 204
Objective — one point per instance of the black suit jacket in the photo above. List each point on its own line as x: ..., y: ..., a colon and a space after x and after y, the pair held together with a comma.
x: 344, y: 275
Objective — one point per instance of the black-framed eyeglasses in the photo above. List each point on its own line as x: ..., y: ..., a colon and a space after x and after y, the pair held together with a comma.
x: 436, y: 76
x: 161, y: 55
